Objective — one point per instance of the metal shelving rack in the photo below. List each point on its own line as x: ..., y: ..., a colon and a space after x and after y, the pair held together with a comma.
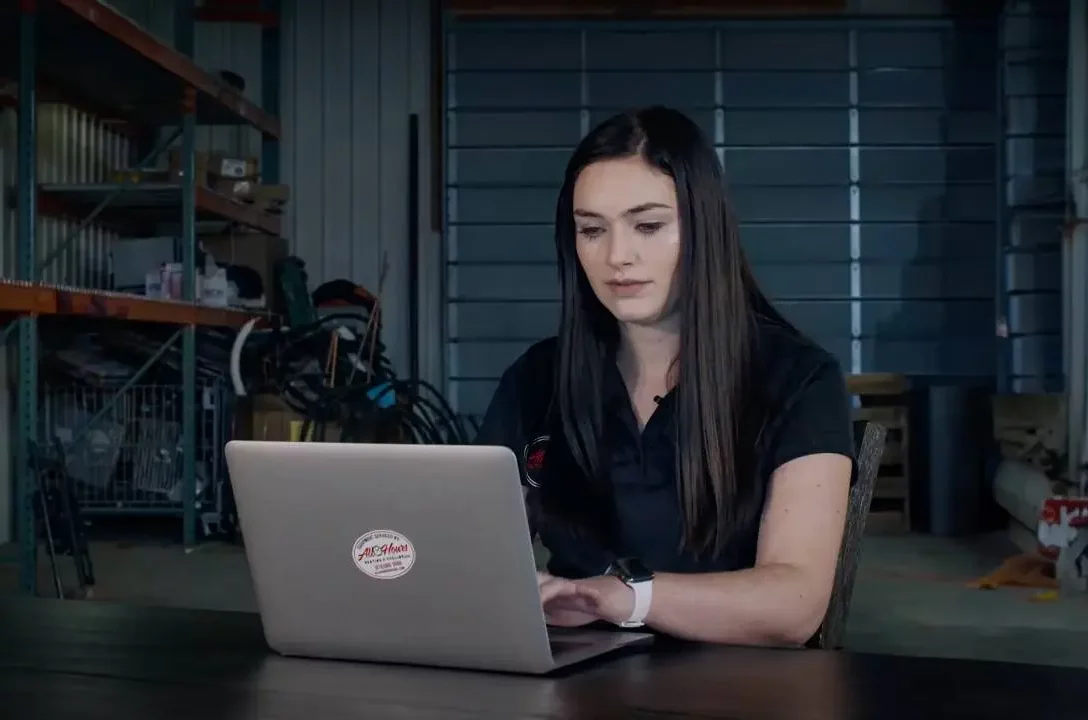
x: 89, y: 54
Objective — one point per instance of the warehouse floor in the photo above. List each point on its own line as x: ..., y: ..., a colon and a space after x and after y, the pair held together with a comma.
x: 912, y: 596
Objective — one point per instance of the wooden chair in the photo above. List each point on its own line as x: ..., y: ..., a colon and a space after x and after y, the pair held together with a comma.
x: 870, y: 447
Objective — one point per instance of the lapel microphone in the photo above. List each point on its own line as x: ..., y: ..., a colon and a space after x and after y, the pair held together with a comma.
x: 657, y: 399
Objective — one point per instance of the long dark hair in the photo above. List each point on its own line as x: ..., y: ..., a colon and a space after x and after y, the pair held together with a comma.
x: 718, y: 304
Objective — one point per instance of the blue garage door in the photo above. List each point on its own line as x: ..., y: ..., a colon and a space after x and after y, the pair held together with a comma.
x: 861, y: 157
x: 1035, y: 41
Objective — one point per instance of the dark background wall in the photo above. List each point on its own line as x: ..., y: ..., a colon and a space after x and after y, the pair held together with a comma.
x: 876, y: 165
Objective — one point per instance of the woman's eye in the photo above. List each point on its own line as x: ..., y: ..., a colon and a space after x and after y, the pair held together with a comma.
x: 649, y: 228
x: 590, y: 232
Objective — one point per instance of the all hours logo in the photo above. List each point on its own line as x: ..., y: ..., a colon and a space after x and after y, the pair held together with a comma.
x: 384, y: 554
x: 533, y: 456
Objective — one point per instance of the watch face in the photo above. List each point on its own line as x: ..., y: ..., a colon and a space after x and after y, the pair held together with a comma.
x: 632, y: 570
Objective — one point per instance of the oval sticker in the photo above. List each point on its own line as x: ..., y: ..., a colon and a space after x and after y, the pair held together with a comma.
x: 384, y: 554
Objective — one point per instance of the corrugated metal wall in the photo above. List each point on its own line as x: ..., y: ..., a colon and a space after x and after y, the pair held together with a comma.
x: 350, y: 75
x: 73, y: 147
x: 1035, y: 44
x: 861, y: 157
x: 353, y: 74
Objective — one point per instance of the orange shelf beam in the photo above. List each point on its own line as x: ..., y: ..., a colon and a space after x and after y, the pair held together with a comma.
x: 250, y: 215
x: 32, y: 299
x: 151, y: 202
x: 126, y: 32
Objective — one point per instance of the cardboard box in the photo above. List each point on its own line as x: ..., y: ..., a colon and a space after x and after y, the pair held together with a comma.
x: 252, y: 250
x: 135, y: 258
x: 1063, y: 537
x: 1061, y: 520
x: 266, y: 197
x: 267, y: 417
x: 209, y: 166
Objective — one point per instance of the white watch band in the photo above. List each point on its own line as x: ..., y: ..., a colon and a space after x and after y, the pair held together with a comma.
x: 644, y: 594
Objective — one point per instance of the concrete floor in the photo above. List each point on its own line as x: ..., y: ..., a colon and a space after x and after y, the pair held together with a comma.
x: 911, y: 597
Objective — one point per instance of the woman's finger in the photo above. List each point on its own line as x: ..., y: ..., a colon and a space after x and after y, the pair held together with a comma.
x: 556, y: 588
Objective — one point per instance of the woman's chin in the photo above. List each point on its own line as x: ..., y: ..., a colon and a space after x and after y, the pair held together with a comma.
x: 636, y: 311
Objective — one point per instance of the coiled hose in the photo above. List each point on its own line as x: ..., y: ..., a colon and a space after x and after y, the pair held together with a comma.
x: 369, y: 403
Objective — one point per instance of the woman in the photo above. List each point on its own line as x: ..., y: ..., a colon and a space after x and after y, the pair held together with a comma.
x: 687, y: 453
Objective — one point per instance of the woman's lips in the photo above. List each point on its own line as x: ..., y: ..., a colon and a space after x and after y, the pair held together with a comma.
x: 627, y: 288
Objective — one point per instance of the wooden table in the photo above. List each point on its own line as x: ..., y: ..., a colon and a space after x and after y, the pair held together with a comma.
x: 91, y: 660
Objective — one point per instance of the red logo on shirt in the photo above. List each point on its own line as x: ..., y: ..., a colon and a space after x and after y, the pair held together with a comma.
x: 533, y: 456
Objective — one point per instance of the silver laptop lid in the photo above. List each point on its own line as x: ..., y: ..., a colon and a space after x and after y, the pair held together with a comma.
x: 394, y: 553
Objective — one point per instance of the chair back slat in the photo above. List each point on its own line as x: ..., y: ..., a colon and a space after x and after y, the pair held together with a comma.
x: 869, y: 450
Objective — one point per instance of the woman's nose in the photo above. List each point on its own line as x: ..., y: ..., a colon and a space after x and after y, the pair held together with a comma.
x: 621, y: 249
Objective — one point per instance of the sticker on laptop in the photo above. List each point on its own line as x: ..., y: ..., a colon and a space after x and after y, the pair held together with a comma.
x: 384, y: 554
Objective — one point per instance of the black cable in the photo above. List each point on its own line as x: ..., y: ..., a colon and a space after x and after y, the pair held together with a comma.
x: 418, y: 412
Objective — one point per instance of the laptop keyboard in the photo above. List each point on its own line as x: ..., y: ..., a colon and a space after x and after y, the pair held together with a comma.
x: 566, y: 643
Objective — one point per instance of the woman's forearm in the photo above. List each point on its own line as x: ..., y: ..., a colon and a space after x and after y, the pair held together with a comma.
x: 766, y: 605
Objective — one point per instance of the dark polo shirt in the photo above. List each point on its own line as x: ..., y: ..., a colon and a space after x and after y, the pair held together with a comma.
x: 799, y: 406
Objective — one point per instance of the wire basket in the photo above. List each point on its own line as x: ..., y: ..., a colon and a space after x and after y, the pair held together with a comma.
x: 129, y: 459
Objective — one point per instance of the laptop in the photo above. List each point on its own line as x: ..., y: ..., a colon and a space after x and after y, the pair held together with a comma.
x: 414, y: 554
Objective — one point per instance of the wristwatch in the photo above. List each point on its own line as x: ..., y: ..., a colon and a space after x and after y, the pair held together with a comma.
x: 640, y: 579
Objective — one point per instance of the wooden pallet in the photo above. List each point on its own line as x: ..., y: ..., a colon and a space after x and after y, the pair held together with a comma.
x: 883, y: 399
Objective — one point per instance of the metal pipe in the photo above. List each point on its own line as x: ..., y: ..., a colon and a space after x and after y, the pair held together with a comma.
x: 1075, y: 243
x: 413, y: 247
x: 27, y: 401
x: 7, y: 331
x: 1003, y: 325
x: 270, y: 91
x: 184, y: 42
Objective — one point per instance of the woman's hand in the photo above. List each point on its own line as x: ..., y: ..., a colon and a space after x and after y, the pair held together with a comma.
x: 563, y: 604
x: 572, y: 603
